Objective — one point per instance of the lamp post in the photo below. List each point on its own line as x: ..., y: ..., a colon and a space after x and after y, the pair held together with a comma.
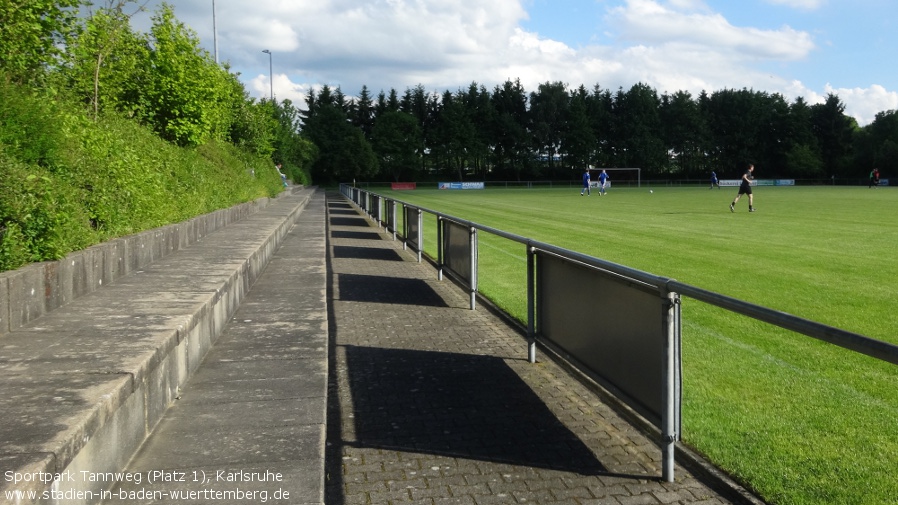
x: 270, y: 75
x: 214, y: 33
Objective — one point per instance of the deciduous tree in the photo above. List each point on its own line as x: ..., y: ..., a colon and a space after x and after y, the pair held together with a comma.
x: 106, y: 62
x: 32, y: 36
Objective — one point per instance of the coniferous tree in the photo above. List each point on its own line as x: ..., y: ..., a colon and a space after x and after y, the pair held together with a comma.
x: 599, y: 106
x: 453, y: 134
x: 637, y: 130
x: 480, y: 109
x: 685, y: 134
x: 803, y: 156
x: 511, y: 138
x: 344, y: 154
x: 548, y: 114
x: 578, y: 138
x: 877, y: 144
x: 834, y: 131
x: 363, y: 114
x: 394, y: 139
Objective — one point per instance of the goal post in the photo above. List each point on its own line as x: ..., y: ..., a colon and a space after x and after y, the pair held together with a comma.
x: 595, y: 171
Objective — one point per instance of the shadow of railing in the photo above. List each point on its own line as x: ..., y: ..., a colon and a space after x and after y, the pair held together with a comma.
x: 384, y: 289
x: 356, y: 235
x: 366, y: 253
x: 457, y: 405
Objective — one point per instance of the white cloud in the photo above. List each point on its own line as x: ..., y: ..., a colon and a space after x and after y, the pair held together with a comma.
x: 393, y: 44
x: 864, y: 103
x: 670, y: 45
x: 799, y: 4
x: 397, y: 34
x: 648, y: 20
x: 860, y: 103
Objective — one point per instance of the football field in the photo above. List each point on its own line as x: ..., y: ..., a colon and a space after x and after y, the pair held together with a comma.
x: 797, y: 420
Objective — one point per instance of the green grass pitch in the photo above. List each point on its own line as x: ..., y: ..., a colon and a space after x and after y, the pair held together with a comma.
x: 797, y: 420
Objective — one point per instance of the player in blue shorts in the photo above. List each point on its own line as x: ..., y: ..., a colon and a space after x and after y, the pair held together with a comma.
x: 603, y: 178
x: 586, y: 179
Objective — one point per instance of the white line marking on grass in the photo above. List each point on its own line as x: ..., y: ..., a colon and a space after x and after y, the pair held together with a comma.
x: 503, y: 251
x: 810, y: 377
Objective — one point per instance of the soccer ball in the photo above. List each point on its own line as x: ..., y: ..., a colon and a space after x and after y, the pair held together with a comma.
x: 650, y: 191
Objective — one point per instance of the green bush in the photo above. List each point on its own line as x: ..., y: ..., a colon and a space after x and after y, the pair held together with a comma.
x: 298, y: 175
x: 13, y: 250
x: 28, y: 129
x: 41, y: 217
x: 67, y: 181
x: 83, y: 104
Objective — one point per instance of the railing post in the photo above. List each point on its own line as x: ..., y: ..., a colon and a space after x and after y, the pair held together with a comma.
x: 671, y: 372
x: 440, y: 247
x: 394, y: 218
x: 531, y: 304
x: 420, y: 234
x: 405, y: 227
x: 378, y: 214
x: 473, y: 241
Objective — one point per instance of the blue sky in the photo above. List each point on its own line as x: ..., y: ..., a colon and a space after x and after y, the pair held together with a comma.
x: 806, y: 48
x: 853, y: 42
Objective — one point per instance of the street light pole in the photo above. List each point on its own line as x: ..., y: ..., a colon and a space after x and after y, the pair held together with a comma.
x: 214, y: 33
x: 270, y: 74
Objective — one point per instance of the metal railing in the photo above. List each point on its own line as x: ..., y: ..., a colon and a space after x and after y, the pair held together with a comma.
x: 667, y: 414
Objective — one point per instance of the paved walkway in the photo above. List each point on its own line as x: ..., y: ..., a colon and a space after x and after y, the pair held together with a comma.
x: 432, y: 403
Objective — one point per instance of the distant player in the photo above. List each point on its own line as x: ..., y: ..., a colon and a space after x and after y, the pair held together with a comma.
x: 874, y: 178
x: 603, y: 178
x: 714, y: 181
x: 586, y: 180
x: 745, y: 189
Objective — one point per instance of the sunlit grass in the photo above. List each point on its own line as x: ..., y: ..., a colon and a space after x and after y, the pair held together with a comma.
x: 797, y: 420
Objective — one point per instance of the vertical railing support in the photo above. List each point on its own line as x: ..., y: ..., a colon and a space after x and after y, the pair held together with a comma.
x: 531, y: 304
x: 379, y: 212
x: 394, y: 218
x: 473, y: 241
x: 670, y: 421
x: 440, y: 247
x: 420, y: 234
x: 405, y: 227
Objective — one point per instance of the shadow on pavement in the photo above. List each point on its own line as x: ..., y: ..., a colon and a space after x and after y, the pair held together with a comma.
x: 348, y: 221
x: 356, y: 235
x: 365, y: 253
x: 380, y: 289
x: 457, y: 405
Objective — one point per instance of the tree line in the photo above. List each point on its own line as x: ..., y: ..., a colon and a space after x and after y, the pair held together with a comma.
x: 556, y: 131
x: 165, y: 81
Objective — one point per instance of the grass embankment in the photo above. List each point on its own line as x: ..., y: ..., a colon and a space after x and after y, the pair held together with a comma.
x: 67, y: 182
x: 797, y: 420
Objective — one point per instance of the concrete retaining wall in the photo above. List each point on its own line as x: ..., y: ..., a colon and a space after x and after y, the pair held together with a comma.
x: 34, y: 290
x: 88, y: 372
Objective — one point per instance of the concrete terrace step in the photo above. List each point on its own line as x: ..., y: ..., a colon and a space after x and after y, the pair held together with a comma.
x: 249, y: 426
x: 85, y: 379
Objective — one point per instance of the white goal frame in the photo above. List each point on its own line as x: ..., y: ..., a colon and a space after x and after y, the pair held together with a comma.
x: 611, y: 179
